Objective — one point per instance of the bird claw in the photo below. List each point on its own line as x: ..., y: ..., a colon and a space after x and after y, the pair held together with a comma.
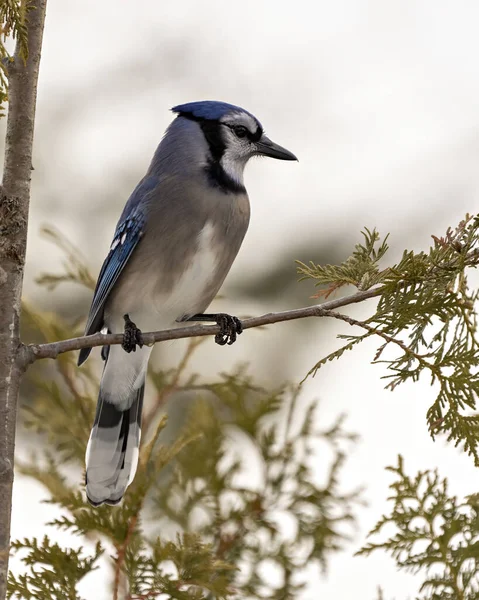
x: 230, y: 327
x: 132, y: 336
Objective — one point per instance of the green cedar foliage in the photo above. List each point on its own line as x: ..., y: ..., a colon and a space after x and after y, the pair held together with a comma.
x: 425, y: 319
x: 432, y: 532
x: 12, y: 24
x: 191, y: 525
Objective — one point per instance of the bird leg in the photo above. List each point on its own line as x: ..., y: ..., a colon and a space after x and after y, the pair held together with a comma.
x: 132, y: 336
x: 230, y: 326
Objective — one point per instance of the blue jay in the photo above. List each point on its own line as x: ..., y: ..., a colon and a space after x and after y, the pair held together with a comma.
x: 174, y: 244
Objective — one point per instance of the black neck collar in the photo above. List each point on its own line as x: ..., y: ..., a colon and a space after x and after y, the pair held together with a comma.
x: 217, y: 176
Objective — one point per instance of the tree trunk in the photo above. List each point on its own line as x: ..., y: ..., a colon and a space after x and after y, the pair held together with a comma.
x: 14, y: 201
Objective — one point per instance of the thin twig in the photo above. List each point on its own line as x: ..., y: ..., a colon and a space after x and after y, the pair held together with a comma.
x: 374, y: 330
x: 71, y: 383
x: 29, y: 353
x: 169, y: 389
x: 121, y: 551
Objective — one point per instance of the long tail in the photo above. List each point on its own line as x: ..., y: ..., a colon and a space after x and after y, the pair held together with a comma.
x: 113, y: 448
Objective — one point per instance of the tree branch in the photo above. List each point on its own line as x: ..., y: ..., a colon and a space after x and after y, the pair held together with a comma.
x: 32, y: 352
x: 14, y: 204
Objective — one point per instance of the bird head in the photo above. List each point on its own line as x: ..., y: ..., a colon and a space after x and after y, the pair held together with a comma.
x: 233, y: 136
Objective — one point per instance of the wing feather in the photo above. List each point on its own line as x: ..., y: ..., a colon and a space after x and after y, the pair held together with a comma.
x: 127, y: 235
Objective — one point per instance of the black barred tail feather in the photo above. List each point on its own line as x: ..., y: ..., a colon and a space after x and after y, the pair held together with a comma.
x: 113, y: 449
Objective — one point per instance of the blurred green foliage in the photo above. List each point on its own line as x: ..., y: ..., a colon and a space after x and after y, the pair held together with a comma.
x: 200, y: 473
x: 55, y: 571
x: 205, y: 515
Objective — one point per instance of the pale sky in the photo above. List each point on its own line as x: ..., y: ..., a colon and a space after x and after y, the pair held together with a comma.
x: 379, y: 102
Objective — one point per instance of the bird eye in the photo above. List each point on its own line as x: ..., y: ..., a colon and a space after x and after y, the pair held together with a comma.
x: 240, y: 131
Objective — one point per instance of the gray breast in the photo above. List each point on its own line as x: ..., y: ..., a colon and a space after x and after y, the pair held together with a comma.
x: 191, y: 239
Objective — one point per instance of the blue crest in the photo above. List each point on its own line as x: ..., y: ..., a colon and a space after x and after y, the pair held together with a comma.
x: 209, y: 109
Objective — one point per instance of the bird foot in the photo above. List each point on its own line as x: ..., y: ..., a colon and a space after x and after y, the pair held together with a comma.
x: 230, y: 327
x: 132, y: 336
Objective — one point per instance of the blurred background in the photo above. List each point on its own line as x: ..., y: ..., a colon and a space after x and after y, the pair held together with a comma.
x: 378, y: 99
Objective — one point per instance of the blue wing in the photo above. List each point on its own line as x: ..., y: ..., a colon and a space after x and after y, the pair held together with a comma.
x: 127, y: 235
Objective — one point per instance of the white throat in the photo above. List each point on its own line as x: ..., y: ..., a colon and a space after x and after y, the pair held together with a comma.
x: 233, y: 167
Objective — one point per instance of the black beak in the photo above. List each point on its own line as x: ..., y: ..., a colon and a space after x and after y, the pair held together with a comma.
x: 266, y: 147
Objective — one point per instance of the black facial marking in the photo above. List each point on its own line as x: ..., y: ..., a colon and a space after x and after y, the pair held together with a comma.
x: 254, y: 137
x: 217, y: 176
x: 212, y: 132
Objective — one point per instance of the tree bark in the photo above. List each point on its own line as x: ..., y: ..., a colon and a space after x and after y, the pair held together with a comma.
x: 14, y: 202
